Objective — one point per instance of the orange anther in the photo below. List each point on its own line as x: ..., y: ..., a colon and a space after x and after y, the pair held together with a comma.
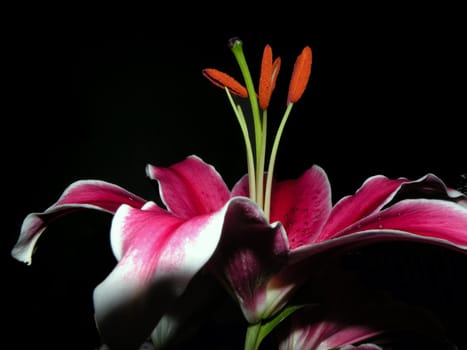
x: 224, y: 80
x: 268, y: 76
x: 300, y: 76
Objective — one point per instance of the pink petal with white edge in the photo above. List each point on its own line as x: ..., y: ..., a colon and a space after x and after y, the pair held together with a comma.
x: 251, y: 251
x: 190, y: 187
x: 80, y: 195
x: 159, y: 255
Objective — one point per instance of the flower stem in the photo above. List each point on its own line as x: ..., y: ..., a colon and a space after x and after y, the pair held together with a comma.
x: 252, y: 337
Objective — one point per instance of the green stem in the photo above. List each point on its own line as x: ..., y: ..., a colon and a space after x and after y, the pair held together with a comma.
x: 252, y: 337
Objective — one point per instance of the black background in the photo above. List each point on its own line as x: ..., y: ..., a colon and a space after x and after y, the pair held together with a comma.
x: 100, y: 92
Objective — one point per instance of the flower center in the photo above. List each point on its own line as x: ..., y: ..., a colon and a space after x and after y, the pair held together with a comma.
x: 260, y: 181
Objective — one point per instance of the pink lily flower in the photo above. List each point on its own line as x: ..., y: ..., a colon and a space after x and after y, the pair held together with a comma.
x: 259, y: 241
x: 159, y: 251
x: 382, y: 210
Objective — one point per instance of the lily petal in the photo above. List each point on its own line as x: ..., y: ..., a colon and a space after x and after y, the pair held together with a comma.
x: 382, y: 210
x: 320, y: 332
x: 428, y: 220
x: 370, y: 198
x: 80, y: 195
x: 159, y: 255
x: 436, y: 222
x: 241, y: 188
x: 302, y: 206
x: 250, y: 253
x: 190, y: 187
x: 430, y: 186
x: 378, y: 191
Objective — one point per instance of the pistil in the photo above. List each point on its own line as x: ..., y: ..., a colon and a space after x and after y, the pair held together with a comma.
x: 259, y: 125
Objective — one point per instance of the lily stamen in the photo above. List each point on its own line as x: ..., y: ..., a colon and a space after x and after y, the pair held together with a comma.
x: 223, y: 80
x: 269, y: 71
x: 300, y: 75
x: 267, y: 83
x: 268, y: 76
x: 298, y: 82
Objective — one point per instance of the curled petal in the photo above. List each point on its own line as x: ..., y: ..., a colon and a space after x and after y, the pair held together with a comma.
x: 190, y: 187
x: 421, y: 219
x: 383, y: 210
x: 370, y: 198
x: 417, y: 220
x: 81, y: 195
x: 250, y: 252
x: 379, y: 192
x: 430, y: 186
